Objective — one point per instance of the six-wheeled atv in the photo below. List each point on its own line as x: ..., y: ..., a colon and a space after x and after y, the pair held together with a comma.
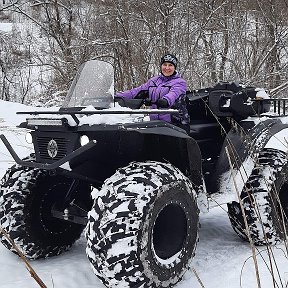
x: 136, y: 184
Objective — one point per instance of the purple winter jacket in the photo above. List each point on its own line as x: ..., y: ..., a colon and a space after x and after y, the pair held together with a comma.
x: 158, y: 87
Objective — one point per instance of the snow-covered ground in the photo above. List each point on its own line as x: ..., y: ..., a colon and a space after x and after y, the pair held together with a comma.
x: 6, y: 27
x: 222, y: 259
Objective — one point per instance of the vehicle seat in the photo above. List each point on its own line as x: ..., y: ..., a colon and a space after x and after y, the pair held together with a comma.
x: 204, y: 130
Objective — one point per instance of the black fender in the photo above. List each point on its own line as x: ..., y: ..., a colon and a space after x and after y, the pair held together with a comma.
x: 171, y: 144
x: 115, y: 146
x: 244, y: 142
x: 154, y: 140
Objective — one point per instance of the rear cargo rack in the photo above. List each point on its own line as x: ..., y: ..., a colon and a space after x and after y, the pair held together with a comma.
x: 279, y: 105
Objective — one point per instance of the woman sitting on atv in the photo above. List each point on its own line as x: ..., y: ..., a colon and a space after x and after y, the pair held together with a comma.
x: 166, y: 90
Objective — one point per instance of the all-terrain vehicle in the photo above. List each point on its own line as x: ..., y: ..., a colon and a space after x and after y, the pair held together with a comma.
x: 138, y: 185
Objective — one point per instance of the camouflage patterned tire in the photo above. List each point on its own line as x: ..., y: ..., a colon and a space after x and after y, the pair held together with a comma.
x: 26, y: 198
x: 265, y: 200
x: 143, y: 228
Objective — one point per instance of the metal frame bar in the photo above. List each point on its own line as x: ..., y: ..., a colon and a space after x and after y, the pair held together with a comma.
x: 100, y: 112
x: 46, y: 166
x: 277, y: 107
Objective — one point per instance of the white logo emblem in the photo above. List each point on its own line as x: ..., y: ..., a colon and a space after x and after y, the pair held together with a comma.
x: 52, y: 148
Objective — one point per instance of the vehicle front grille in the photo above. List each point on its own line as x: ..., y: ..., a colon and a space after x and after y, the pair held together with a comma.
x: 43, y: 146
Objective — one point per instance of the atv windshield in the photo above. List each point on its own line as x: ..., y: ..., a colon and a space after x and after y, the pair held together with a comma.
x: 92, y: 85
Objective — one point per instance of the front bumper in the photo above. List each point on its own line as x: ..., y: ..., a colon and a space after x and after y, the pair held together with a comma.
x: 46, y: 166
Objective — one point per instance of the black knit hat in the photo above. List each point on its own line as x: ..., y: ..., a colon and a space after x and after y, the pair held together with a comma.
x: 170, y: 58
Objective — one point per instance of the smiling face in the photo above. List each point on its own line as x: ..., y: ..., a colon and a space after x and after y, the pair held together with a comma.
x: 167, y: 69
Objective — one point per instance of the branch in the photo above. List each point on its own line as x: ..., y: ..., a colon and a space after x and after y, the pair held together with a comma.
x: 23, y: 258
x: 202, y: 27
x: 279, y: 88
x: 245, y: 220
x: 262, y: 62
x: 92, y: 43
x: 8, y: 6
x: 31, y: 18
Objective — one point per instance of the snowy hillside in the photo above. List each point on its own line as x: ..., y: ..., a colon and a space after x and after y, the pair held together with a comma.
x: 222, y: 259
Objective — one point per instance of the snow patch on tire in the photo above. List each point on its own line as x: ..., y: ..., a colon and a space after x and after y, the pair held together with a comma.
x: 260, y: 198
x: 23, y: 213
x: 120, y: 226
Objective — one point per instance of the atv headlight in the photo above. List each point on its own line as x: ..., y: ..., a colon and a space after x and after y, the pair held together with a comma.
x: 28, y: 138
x: 84, y: 139
x: 44, y: 122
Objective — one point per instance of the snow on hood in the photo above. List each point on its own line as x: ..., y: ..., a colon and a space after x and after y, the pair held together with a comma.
x: 108, y: 119
x: 111, y: 119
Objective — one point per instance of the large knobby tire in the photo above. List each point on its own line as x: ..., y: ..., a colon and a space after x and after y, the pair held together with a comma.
x: 143, y: 228
x: 26, y: 198
x: 265, y: 200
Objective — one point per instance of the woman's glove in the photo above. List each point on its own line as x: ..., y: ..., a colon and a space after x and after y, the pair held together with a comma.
x: 143, y: 94
x: 162, y: 103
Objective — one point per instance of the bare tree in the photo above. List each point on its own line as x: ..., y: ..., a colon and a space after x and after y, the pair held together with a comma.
x: 214, y: 40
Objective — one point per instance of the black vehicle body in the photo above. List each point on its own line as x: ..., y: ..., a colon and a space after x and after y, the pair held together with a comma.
x: 226, y: 129
x: 154, y: 140
x: 113, y: 146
